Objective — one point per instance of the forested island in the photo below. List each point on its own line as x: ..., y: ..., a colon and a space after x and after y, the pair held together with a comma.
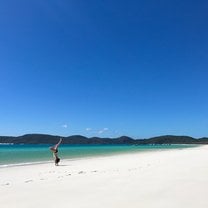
x: 78, y: 139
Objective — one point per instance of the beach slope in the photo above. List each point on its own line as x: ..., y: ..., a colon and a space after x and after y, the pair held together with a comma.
x: 160, y: 179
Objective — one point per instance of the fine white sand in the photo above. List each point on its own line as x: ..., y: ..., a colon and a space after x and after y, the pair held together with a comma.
x: 162, y: 179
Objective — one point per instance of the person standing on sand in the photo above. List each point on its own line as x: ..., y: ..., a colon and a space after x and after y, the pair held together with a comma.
x: 54, y: 149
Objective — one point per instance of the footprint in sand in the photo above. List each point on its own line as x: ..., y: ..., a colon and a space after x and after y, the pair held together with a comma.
x: 5, y: 184
x: 132, y: 169
x: 28, y: 181
x: 68, y: 174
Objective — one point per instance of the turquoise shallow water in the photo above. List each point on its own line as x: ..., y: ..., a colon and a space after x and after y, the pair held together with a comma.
x: 26, y: 154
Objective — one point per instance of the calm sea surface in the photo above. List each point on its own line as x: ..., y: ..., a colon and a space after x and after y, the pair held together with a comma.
x: 26, y: 154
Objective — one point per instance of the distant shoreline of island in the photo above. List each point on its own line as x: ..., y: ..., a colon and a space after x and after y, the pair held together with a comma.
x: 78, y: 139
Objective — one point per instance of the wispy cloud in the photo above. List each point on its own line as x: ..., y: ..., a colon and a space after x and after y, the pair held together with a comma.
x: 88, y: 129
x: 102, y: 130
x: 64, y: 126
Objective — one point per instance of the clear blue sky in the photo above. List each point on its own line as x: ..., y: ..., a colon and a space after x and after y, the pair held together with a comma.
x: 104, y: 68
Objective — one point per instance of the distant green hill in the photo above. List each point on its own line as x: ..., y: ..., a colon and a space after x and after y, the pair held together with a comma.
x: 78, y: 139
x: 169, y: 139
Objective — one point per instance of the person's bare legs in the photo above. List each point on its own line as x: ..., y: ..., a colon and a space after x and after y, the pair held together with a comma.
x: 55, y: 147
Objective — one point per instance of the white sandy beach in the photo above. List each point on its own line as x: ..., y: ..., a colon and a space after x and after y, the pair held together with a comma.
x: 162, y: 179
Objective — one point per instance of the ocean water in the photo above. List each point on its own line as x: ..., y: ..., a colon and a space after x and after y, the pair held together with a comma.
x: 26, y: 154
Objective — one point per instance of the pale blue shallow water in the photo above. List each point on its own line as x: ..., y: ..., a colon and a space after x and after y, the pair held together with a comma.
x: 27, y: 154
